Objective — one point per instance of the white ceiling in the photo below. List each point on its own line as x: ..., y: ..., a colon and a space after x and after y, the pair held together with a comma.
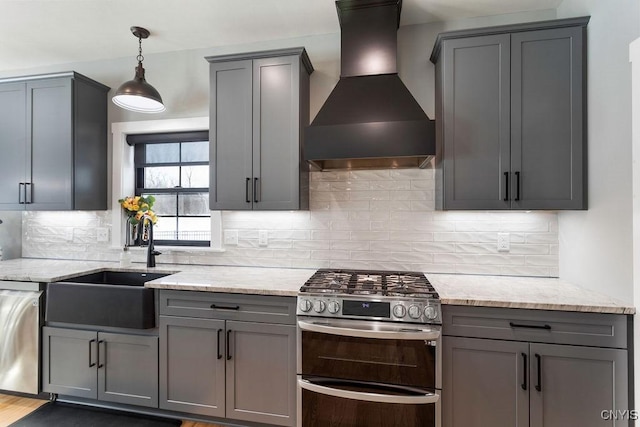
x: 37, y: 33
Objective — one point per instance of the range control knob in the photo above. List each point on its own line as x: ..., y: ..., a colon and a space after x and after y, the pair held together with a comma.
x: 334, y: 307
x: 399, y: 310
x: 319, y: 306
x: 430, y: 312
x: 305, y: 305
x: 415, y: 312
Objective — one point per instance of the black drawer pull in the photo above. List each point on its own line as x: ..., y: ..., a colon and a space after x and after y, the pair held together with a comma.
x: 101, y: 365
x: 229, y: 344
x: 519, y: 325
x: 219, y: 354
x: 246, y: 191
x: 539, y: 360
x: 255, y: 190
x: 517, y: 186
x: 225, y: 307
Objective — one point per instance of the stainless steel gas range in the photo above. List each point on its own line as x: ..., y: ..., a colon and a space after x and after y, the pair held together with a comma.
x: 368, y: 350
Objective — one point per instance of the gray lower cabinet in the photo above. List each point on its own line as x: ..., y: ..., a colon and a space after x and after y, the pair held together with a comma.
x: 511, y: 117
x: 259, y: 108
x: 53, y: 130
x: 541, y: 374
x: 110, y: 367
x: 232, y: 366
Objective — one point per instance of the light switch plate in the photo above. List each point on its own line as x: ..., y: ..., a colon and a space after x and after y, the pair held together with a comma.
x: 102, y: 234
x: 504, y: 242
x: 231, y: 237
x: 263, y: 238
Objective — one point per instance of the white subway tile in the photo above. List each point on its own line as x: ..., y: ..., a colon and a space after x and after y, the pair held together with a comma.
x: 385, y: 205
x: 330, y: 255
x: 498, y: 259
x: 350, y: 245
x: 542, y: 260
x: 328, y: 196
x: 369, y: 235
x: 312, y: 244
x: 330, y: 235
x: 527, y: 249
x: 320, y: 186
x: 434, y: 247
x: 411, y: 195
x: 350, y: 186
x: 541, y: 237
x: 369, y: 215
x: 476, y: 248
x: 350, y: 225
x: 291, y: 253
x: 390, y: 246
x: 411, y: 173
x: 390, y: 185
x: 369, y: 175
x: 410, y: 236
x: 423, y: 205
x: 422, y: 184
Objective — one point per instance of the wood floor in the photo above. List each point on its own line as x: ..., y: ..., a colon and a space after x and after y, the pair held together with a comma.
x: 12, y: 408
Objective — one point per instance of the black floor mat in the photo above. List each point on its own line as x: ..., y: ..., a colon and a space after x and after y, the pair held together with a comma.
x: 60, y: 414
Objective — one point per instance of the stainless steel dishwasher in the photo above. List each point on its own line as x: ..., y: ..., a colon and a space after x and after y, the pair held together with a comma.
x: 20, y: 320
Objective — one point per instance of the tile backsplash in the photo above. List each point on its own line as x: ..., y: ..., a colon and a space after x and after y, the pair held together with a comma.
x: 378, y: 219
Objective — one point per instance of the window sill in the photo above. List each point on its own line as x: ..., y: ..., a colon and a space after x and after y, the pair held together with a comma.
x: 178, y: 249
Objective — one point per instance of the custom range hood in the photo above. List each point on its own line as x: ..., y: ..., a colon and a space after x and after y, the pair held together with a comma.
x: 370, y: 120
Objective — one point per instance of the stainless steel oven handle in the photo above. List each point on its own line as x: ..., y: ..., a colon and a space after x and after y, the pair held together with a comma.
x: 369, y: 397
x: 405, y: 332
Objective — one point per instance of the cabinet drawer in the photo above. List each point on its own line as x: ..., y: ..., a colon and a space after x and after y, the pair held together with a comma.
x: 556, y: 327
x: 209, y: 305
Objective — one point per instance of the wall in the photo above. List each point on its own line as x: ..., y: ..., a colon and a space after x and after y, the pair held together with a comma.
x: 596, y: 245
x: 381, y: 219
x: 11, y: 235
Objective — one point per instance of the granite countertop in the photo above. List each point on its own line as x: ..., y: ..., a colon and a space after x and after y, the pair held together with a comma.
x: 455, y: 289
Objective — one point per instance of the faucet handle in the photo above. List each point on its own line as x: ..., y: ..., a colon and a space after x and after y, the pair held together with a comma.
x: 156, y: 252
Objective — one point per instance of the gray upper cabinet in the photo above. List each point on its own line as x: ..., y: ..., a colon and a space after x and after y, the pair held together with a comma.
x: 511, y: 117
x: 259, y: 107
x: 55, y: 129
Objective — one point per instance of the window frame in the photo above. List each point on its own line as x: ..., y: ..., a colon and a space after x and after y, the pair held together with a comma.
x: 139, y: 142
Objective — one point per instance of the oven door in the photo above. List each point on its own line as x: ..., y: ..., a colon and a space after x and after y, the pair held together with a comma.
x: 369, y: 351
x: 357, y: 373
x: 339, y: 403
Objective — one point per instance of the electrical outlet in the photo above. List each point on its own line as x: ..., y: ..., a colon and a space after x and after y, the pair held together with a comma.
x: 504, y: 242
x: 102, y: 234
x: 263, y: 238
x: 231, y: 237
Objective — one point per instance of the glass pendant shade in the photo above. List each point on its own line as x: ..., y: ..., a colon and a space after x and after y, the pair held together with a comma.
x: 138, y: 95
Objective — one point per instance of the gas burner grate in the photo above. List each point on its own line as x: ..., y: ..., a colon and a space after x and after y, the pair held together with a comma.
x: 362, y: 282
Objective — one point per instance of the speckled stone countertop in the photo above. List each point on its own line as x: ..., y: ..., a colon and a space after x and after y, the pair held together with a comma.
x: 523, y: 292
x: 455, y: 289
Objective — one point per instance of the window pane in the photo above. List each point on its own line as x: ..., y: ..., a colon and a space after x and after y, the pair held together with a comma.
x: 161, y: 177
x: 194, y: 228
x: 195, y: 151
x: 166, y: 228
x: 195, y: 176
x: 166, y: 204
x: 193, y: 204
x: 163, y: 153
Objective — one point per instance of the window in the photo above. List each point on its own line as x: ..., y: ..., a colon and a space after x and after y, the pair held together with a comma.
x: 174, y: 168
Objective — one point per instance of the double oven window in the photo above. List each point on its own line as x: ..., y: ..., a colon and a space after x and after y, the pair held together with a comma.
x: 174, y: 168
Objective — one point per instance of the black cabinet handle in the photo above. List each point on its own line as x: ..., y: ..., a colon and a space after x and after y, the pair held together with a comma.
x: 255, y: 190
x: 519, y: 325
x: 246, y: 190
x: 91, y: 363
x: 225, y: 307
x: 539, y: 361
x: 219, y: 354
x: 506, y: 187
x: 517, y: 186
x: 28, y: 193
x: 22, y: 194
x: 524, y: 371
x: 229, y: 344
x: 101, y: 365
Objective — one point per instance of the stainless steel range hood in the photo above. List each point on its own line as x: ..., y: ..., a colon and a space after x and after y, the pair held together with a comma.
x: 370, y: 120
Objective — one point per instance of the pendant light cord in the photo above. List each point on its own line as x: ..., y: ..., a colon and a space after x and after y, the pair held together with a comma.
x: 140, y: 58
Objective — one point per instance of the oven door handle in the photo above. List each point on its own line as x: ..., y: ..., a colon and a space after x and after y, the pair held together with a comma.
x: 389, y: 332
x: 422, y: 399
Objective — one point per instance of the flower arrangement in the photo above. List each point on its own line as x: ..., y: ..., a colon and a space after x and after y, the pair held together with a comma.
x: 137, y: 206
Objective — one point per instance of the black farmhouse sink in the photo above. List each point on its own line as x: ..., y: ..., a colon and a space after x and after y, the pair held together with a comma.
x: 106, y: 298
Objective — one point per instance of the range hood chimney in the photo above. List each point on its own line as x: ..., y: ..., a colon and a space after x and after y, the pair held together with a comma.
x: 370, y: 119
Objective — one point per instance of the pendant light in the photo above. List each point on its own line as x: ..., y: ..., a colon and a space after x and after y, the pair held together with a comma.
x: 137, y: 94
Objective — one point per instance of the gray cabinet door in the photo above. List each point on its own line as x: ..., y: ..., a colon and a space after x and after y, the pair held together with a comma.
x: 548, y: 157
x: 576, y: 384
x: 128, y: 369
x: 50, y: 145
x: 476, y: 128
x: 69, y: 360
x: 261, y: 369
x: 485, y: 383
x: 276, y: 133
x: 12, y: 144
x: 230, y: 137
x: 192, y: 365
